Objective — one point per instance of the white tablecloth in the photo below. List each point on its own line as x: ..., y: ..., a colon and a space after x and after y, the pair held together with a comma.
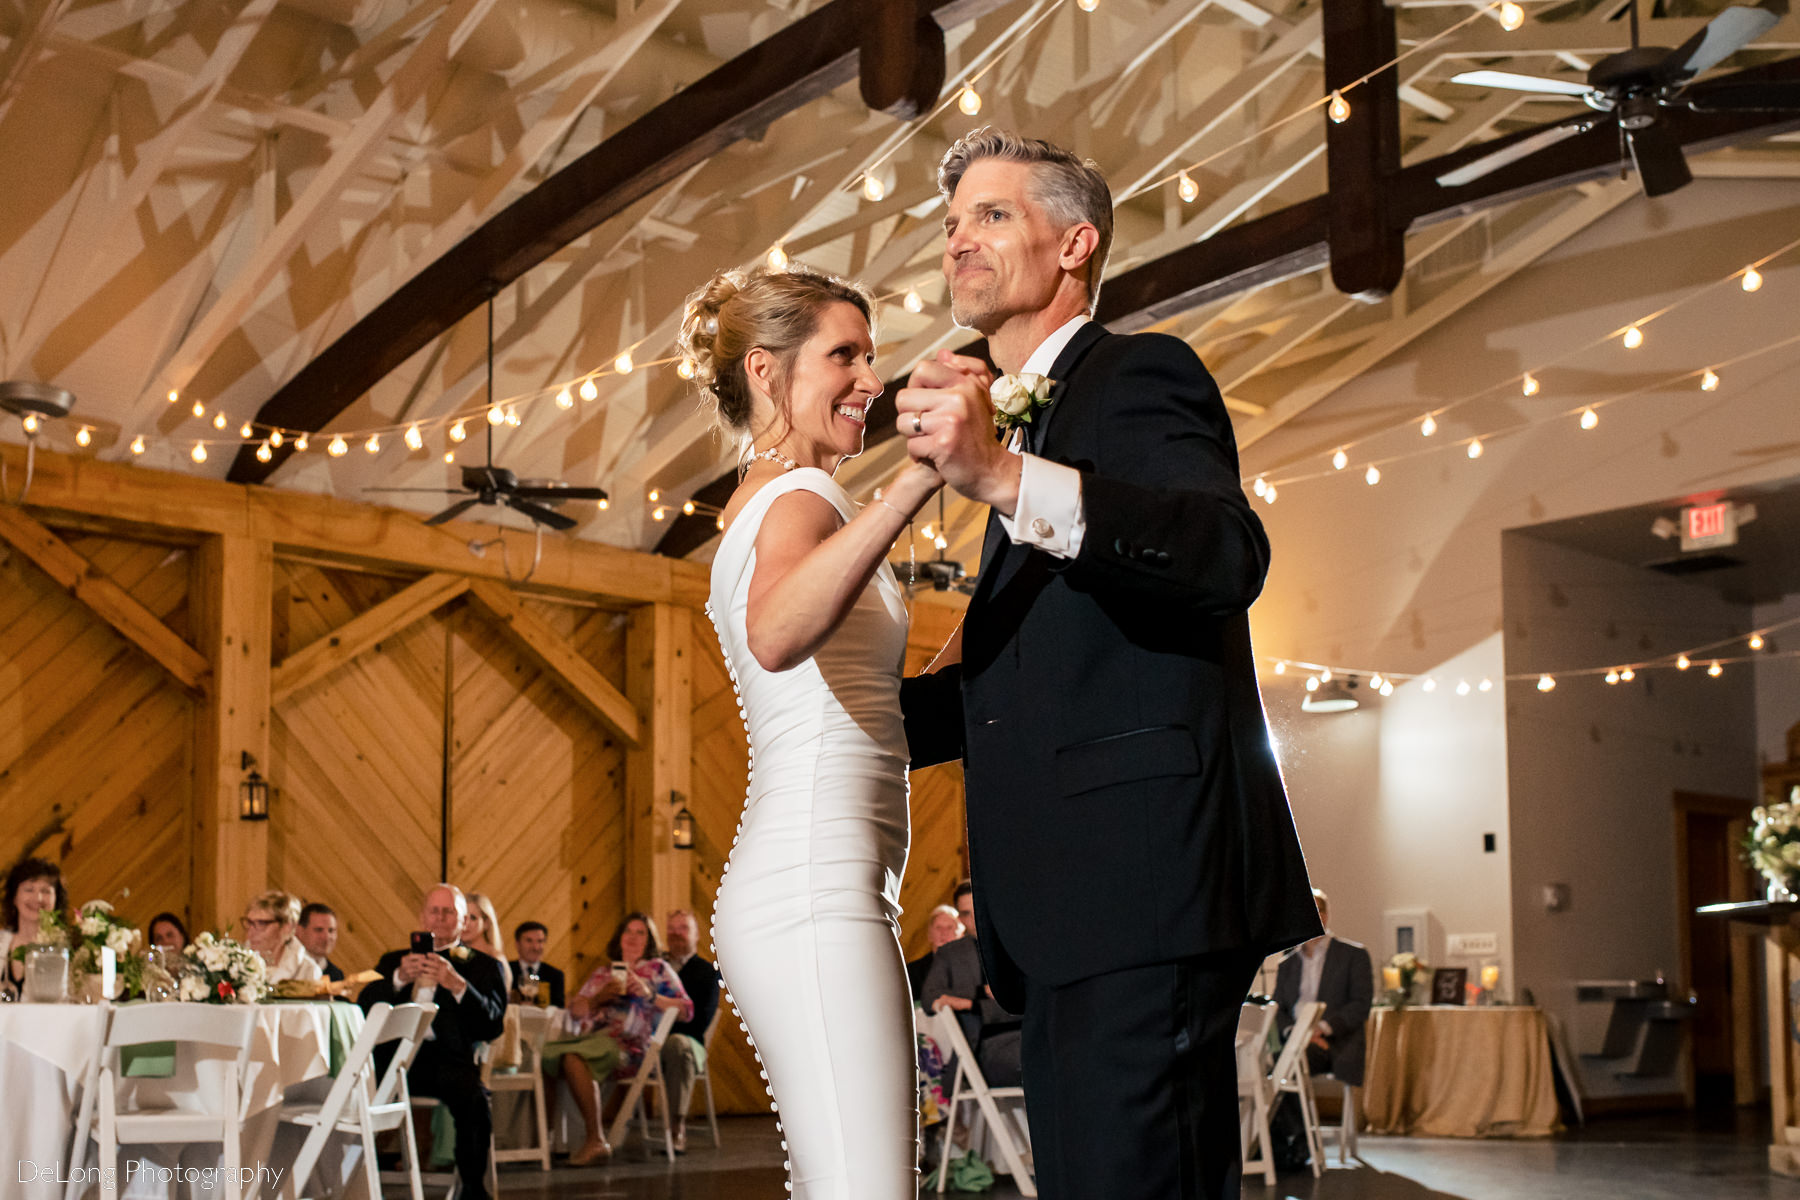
x: 45, y: 1052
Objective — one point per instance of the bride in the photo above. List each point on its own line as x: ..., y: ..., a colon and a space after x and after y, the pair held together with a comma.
x: 813, y: 627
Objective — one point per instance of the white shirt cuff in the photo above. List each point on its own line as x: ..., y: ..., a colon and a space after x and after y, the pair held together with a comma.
x: 1049, y: 513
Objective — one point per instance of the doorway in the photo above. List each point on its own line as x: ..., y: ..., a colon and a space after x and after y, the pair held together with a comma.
x: 1720, y: 960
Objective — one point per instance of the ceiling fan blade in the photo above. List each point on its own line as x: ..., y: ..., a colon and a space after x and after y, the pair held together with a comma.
x: 419, y: 491
x: 560, y: 493
x: 1722, y: 37
x: 1487, y: 164
x: 454, y: 511
x: 1659, y: 160
x: 1522, y: 83
x: 1726, y: 96
x: 538, y: 513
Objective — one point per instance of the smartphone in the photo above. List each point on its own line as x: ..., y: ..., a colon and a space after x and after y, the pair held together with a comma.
x: 422, y: 942
x: 620, y: 972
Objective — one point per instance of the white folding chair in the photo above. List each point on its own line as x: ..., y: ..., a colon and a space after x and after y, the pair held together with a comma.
x: 534, y: 1028
x: 703, y: 1076
x: 1255, y: 1098
x: 215, y: 1040
x: 84, y: 1118
x: 1292, y: 1076
x: 971, y: 1086
x: 361, y: 1105
x: 451, y: 1181
x: 649, y: 1074
x: 1344, y: 1132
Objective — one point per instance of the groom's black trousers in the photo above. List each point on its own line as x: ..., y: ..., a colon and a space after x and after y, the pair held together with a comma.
x: 1131, y: 1081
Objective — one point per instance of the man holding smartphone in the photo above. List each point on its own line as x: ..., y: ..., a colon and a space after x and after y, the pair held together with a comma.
x: 470, y: 995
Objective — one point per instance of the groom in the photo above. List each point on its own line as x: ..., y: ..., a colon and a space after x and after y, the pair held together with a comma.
x: 1131, y: 847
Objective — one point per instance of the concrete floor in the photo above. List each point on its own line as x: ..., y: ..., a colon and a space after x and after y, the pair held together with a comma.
x: 1637, y: 1158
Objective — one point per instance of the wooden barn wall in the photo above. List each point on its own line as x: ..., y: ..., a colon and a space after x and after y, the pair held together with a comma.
x: 96, y: 739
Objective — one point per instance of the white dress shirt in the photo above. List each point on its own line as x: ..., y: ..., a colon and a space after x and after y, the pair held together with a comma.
x: 1048, y: 514
x: 1312, y: 969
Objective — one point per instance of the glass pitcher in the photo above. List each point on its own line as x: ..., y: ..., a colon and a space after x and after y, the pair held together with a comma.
x: 46, y: 974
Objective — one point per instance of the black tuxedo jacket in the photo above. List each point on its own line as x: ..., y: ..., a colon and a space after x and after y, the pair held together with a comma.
x: 700, y: 980
x: 547, y: 976
x: 333, y: 972
x: 1124, y: 804
x: 460, y: 1025
x: 1347, y: 986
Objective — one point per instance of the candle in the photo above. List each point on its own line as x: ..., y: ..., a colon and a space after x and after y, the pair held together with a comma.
x: 1390, y: 978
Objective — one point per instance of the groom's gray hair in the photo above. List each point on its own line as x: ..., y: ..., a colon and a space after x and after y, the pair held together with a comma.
x: 1072, y: 190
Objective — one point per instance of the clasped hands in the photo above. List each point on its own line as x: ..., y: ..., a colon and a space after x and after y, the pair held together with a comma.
x: 430, y: 968
x: 947, y: 419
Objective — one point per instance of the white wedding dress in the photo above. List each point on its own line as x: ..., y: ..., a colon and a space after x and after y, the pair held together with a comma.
x: 806, y: 926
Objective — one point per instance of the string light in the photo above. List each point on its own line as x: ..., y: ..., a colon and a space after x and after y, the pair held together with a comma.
x: 1474, y: 447
x: 1387, y: 687
x: 719, y: 522
x: 1628, y: 675
x: 1375, y: 681
x: 219, y: 421
x: 301, y: 443
x: 174, y: 395
x: 338, y: 447
x: 1682, y: 663
x: 1709, y: 382
x: 1756, y: 641
x: 1325, y: 675
x: 457, y: 432
x: 1530, y: 384
x: 1430, y: 685
x: 1312, y: 683
x: 512, y: 415
x: 589, y: 393
x: 1752, y: 279
x: 913, y: 302
x: 1546, y: 684
x: 1373, y: 475
x: 1511, y: 16
x: 1340, y: 460
x: 1715, y: 670
x: 84, y: 436
x: 198, y: 453
x: 1634, y: 337
x: 414, y: 439
x: 1487, y: 685
x: 873, y: 189
x: 30, y: 423
x: 373, y: 445
x: 1462, y: 687
x: 496, y: 415
x: 1185, y: 186
x: 199, y: 409
x: 655, y: 495
x: 275, y: 438
x: 603, y: 504
x: 565, y: 399
x: 1261, y: 486
x: 777, y: 258
x: 687, y: 509
x: 1612, y: 677
x: 1428, y: 426
x: 623, y: 364
x: 1589, y: 418
x: 1087, y: 5
x: 1339, y: 109
x: 449, y: 456
x: 245, y: 431
x: 1281, y: 667
x: 137, y: 444
x: 969, y: 101
x: 264, y: 453
x: 658, y: 513
x: 1269, y: 495
x: 686, y: 368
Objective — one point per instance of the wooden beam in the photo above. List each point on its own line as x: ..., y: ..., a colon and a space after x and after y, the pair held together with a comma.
x: 231, y: 599
x: 583, y: 681
x: 350, y: 532
x: 807, y: 59
x: 103, y: 597
x: 659, y: 678
x: 362, y: 632
x: 17, y: 59
x: 901, y: 62
x: 1368, y: 250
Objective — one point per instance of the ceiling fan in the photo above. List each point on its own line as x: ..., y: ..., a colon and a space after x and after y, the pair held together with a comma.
x: 488, y: 484
x: 1634, y: 88
x: 944, y: 575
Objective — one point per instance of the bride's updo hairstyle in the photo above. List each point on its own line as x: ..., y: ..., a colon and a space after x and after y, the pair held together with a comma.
x: 736, y: 312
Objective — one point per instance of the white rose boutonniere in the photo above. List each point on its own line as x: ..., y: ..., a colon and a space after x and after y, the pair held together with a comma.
x: 1018, y: 398
x: 460, y: 953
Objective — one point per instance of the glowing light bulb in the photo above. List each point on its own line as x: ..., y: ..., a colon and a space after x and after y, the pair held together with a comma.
x: 969, y: 101
x: 373, y: 445
x: 913, y: 302
x: 496, y: 415
x: 1430, y: 685
x: 457, y: 432
x: 1325, y: 675
x: 623, y: 364
x: 1683, y: 663
x: 1339, y: 109
x: 264, y: 453
x: 1312, y: 683
x: 1709, y: 382
x: 1511, y: 16
x: 686, y: 368
x: 1375, y: 681
x: 1612, y: 677
x: 1372, y: 476
x: 245, y: 431
x: 928, y: 532
x: 1387, y: 687
x: 1715, y: 670
x: 658, y: 513
x: 449, y: 456
x: 84, y: 436
x: 512, y: 415
x: 137, y: 444
x: 1087, y: 5
x: 873, y: 189
x: 30, y: 424
x: 1752, y: 279
x: 199, y: 409
x: 589, y: 392
x: 655, y: 495
x: 1530, y: 384
x: 1756, y: 641
x: 940, y: 542
x: 719, y: 523
x: 1269, y: 496
x: 1462, y: 687
x: 414, y: 439
x: 338, y: 447
x: 1634, y: 337
x: 603, y: 504
x: 1589, y: 418
x: 1546, y: 684
x: 1186, y: 188
x: 1340, y: 460
x: 174, y: 395
x: 1628, y: 675
x: 198, y: 453
x: 1487, y: 685
x: 777, y: 258
x: 1260, y: 486
x: 1281, y: 667
x: 1428, y: 426
x: 687, y: 509
x: 1475, y: 448
x: 275, y: 438
x: 219, y: 421
x: 565, y: 399
x: 301, y: 443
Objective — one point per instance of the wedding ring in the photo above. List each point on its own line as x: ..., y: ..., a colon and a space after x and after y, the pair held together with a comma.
x: 918, y: 424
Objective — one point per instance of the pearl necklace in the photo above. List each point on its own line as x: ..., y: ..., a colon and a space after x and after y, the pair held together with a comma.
x: 775, y: 456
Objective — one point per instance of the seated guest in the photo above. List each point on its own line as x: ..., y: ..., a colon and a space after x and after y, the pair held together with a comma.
x: 471, y: 1010
x: 269, y: 922
x: 481, y: 931
x: 533, y: 938
x: 1339, y: 973
x: 963, y: 900
x: 943, y: 927
x: 615, y: 1014
x: 684, y: 1054
x: 34, y: 887
x: 167, y: 931
x: 318, y: 935
x: 956, y: 982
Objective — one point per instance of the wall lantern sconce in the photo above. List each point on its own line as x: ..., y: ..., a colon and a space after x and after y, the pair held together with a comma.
x: 253, y: 792
x: 683, y: 822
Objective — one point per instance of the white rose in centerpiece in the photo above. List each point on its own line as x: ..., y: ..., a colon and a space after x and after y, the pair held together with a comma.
x: 1790, y: 854
x: 92, y: 927
x: 120, y: 939
x: 214, y: 957
x: 193, y: 989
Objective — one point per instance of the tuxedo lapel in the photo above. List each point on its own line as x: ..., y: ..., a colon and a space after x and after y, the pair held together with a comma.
x: 1084, y: 340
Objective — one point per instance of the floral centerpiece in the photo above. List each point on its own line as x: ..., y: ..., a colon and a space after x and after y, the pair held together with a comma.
x: 1402, y: 978
x: 95, y: 930
x: 222, y: 971
x: 1772, y: 846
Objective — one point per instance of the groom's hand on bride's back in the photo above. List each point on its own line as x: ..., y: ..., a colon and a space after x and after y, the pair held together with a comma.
x: 947, y: 419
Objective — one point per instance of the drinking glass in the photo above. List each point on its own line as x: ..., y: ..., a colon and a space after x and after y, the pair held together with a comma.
x: 46, y: 974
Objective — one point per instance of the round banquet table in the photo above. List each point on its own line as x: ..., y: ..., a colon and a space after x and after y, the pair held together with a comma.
x: 46, y: 1051
x: 1450, y: 1071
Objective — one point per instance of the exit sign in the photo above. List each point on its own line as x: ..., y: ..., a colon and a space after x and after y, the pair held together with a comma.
x: 1705, y: 526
